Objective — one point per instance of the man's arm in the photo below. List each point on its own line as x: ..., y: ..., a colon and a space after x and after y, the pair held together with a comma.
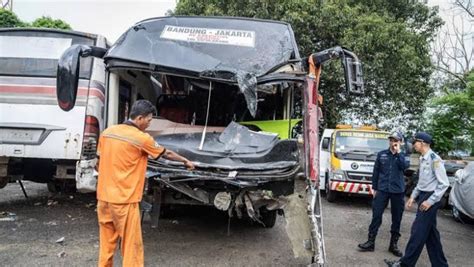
x: 176, y: 157
x: 375, y: 174
x: 443, y: 181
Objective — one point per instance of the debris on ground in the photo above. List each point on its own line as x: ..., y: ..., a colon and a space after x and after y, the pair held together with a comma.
x: 60, y: 240
x: 37, y: 203
x: 51, y: 223
x: 61, y: 254
x: 52, y: 202
x: 90, y: 205
x: 6, y: 216
x: 175, y: 222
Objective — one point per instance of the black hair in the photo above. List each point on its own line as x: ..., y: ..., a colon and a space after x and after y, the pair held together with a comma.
x: 142, y: 107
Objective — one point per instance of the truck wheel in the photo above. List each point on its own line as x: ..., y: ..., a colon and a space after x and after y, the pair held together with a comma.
x: 268, y: 217
x: 330, y: 195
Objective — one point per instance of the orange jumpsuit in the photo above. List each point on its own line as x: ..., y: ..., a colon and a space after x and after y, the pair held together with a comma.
x: 123, y: 150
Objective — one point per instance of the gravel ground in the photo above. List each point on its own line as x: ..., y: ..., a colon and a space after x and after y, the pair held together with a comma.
x: 195, y: 236
x: 346, y: 223
x: 191, y: 236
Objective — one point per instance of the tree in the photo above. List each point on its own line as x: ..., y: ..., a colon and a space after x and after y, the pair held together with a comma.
x: 8, y: 19
x: 391, y: 37
x: 451, y: 117
x: 452, y: 50
x: 48, y: 22
x: 467, y: 6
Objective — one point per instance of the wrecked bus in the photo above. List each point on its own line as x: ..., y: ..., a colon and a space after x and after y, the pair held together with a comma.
x: 38, y: 141
x: 208, y: 76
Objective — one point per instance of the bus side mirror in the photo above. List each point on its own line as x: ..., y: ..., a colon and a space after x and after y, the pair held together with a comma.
x: 68, y: 73
x: 325, y: 144
x: 353, y: 75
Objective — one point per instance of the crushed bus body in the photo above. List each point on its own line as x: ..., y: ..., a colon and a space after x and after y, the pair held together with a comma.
x: 209, y: 76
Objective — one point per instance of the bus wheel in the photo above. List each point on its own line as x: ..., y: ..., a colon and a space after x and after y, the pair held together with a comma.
x: 53, y: 187
x: 330, y: 194
x: 268, y: 217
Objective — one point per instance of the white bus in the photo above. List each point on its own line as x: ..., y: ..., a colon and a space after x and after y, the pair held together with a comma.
x: 38, y: 141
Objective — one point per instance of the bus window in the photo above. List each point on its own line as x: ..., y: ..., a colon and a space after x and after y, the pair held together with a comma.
x: 30, y: 53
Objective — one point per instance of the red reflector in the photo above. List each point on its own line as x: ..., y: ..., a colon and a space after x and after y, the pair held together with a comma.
x: 92, y: 126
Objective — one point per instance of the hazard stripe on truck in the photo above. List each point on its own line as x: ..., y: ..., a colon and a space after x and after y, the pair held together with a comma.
x: 350, y: 187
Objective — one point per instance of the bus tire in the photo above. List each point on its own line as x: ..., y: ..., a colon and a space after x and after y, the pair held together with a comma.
x: 268, y: 217
x: 53, y: 187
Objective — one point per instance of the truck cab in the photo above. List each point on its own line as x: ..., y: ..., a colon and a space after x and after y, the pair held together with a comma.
x: 347, y: 159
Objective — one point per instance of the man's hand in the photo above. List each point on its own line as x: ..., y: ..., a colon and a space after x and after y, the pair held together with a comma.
x: 397, y: 148
x: 410, y: 202
x: 189, y: 165
x: 425, y: 206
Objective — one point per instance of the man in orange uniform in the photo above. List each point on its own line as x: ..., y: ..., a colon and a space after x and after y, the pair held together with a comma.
x: 123, y: 152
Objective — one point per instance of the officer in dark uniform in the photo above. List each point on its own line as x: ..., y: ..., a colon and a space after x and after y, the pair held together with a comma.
x: 388, y: 183
x: 432, y: 184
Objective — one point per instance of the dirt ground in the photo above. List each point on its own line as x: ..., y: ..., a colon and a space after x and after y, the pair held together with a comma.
x: 195, y: 236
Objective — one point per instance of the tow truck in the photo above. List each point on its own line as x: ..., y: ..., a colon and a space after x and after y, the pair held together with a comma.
x: 347, y: 159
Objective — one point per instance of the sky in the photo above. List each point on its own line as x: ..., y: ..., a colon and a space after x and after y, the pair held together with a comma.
x: 106, y: 17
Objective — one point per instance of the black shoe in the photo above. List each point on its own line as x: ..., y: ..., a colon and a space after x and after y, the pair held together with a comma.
x: 394, y: 263
x: 369, y: 245
x: 394, y: 247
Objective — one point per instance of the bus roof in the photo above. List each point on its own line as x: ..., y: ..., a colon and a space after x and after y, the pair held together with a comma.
x: 82, y: 34
x: 216, y: 47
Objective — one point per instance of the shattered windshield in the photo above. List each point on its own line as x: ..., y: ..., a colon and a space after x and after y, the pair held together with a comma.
x: 227, y: 49
x: 209, y: 45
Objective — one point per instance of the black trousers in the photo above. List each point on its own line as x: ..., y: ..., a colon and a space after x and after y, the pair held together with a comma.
x: 424, y: 232
x: 379, y: 203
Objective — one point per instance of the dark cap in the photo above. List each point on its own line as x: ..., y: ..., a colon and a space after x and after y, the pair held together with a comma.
x: 423, y: 137
x: 396, y: 135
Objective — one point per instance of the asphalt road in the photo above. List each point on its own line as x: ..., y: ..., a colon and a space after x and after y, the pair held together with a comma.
x: 346, y: 224
x: 195, y: 236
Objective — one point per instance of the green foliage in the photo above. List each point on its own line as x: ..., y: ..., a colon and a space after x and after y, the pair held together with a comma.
x: 48, y: 22
x: 451, y: 119
x: 390, y: 37
x: 8, y: 19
